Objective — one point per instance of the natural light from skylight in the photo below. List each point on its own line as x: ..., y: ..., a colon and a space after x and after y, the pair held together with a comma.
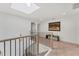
x: 25, y: 7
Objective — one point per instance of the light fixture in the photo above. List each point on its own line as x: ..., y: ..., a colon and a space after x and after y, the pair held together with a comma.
x: 64, y: 13
x: 28, y: 4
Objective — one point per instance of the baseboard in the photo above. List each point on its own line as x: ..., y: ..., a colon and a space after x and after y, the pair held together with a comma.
x: 69, y: 43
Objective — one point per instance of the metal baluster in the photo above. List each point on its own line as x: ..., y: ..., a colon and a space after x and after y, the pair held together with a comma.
x: 29, y: 46
x: 34, y: 44
x: 19, y: 47
x: 15, y: 47
x: 23, y: 46
x: 10, y: 47
x: 4, y: 48
x: 26, y: 46
x: 37, y: 45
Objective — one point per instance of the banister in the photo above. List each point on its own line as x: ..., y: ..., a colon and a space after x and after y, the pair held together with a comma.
x: 22, y: 45
x: 14, y: 38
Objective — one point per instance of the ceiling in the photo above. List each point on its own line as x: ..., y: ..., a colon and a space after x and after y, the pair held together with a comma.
x: 46, y: 11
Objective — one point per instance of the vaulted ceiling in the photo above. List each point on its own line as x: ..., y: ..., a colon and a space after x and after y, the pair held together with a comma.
x: 46, y: 10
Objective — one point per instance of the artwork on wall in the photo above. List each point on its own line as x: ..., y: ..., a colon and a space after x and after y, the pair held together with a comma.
x: 54, y: 26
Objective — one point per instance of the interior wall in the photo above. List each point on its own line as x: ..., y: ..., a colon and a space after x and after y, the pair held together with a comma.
x: 13, y: 26
x: 69, y: 31
x: 77, y: 30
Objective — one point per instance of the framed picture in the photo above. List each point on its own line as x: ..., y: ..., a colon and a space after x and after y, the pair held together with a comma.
x: 54, y: 26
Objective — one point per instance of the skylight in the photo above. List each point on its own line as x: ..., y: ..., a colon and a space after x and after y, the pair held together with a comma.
x: 25, y: 7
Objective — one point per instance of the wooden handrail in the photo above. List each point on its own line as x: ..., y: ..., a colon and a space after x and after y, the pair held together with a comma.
x: 14, y: 38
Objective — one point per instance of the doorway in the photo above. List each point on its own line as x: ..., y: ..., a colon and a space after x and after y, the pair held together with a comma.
x: 33, y: 28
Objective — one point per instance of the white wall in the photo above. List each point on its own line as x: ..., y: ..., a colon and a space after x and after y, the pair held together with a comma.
x: 69, y: 31
x: 13, y: 26
x: 77, y: 30
x: 10, y: 27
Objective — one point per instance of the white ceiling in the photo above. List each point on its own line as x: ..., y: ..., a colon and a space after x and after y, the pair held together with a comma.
x: 46, y: 10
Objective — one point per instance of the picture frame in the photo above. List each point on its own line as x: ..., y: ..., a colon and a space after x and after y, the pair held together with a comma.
x: 54, y: 26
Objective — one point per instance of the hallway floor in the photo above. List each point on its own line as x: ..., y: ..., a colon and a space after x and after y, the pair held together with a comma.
x: 61, y: 48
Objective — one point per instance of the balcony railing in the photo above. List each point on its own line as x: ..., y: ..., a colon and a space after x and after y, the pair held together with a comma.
x: 19, y: 46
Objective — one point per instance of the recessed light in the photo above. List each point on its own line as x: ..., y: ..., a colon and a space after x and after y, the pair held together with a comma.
x: 29, y: 4
x: 64, y: 13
